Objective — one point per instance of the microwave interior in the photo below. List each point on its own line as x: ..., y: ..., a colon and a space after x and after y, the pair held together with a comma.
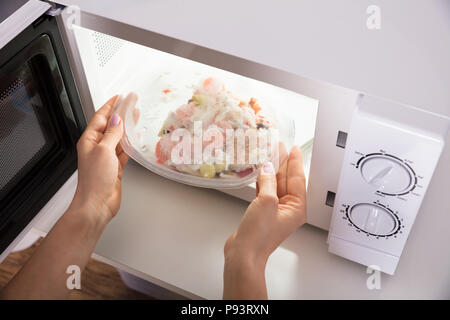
x: 112, y: 65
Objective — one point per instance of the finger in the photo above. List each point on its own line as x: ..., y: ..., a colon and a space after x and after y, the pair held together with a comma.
x: 125, y: 104
x: 99, y: 121
x: 119, y: 149
x: 282, y: 171
x: 97, y: 125
x: 267, y: 182
x: 91, y: 136
x: 113, y: 133
x: 123, y: 159
x: 295, y: 175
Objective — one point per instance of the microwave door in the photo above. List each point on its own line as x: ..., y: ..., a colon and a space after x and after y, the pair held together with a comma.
x: 41, y: 120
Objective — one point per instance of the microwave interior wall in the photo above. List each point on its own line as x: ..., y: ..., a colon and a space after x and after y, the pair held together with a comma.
x: 112, y: 65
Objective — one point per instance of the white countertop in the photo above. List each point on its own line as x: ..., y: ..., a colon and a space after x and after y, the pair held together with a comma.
x: 173, y: 235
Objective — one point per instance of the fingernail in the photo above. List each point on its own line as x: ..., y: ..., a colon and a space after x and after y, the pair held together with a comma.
x: 268, y: 168
x: 115, y: 120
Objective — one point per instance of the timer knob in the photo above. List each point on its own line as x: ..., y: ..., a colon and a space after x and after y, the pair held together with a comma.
x: 373, y: 219
x: 387, y: 173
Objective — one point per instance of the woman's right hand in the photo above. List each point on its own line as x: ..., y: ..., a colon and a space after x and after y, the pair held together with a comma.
x: 278, y: 210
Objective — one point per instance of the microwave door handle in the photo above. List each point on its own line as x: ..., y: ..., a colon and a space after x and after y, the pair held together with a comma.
x: 65, y: 27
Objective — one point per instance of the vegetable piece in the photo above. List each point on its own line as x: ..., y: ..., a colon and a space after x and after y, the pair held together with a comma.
x: 256, y: 107
x: 163, y: 129
x: 159, y: 153
x: 200, y: 99
x: 208, y: 82
x: 261, y: 125
x: 245, y: 172
x: 166, y: 91
x: 219, y: 167
x: 187, y: 169
x: 207, y: 170
x: 213, y: 86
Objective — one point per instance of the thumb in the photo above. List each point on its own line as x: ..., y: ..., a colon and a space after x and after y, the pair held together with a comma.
x: 267, y: 181
x: 114, y: 131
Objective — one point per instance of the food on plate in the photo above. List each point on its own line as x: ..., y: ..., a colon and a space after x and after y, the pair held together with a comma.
x: 215, y: 134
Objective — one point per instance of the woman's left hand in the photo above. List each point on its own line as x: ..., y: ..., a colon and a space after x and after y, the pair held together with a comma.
x: 101, y: 160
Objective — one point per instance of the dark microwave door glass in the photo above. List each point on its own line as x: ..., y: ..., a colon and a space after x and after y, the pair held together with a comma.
x: 41, y: 120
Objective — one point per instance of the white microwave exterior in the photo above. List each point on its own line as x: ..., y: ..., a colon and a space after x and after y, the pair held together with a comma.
x: 408, y: 143
x: 406, y: 60
x: 324, y: 175
x: 308, y: 87
x: 21, y: 19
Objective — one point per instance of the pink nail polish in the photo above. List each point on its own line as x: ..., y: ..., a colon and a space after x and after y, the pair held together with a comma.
x: 115, y: 120
x: 268, y: 168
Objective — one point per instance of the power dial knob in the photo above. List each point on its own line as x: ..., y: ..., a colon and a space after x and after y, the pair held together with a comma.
x: 388, y: 174
x: 374, y: 219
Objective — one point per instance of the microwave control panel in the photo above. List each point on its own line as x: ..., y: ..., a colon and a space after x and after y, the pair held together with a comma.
x: 390, y: 155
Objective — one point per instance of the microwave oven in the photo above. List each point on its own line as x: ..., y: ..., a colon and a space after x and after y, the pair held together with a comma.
x: 368, y: 159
